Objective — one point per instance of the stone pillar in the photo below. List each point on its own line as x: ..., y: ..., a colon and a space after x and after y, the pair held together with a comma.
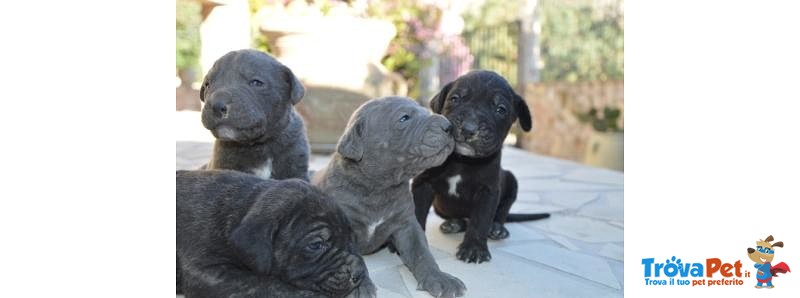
x: 528, y: 46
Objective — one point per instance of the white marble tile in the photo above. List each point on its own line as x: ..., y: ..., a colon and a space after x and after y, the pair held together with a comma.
x: 617, y: 224
x: 615, y: 196
x: 569, y: 199
x: 583, y: 265
x: 579, y: 228
x: 482, y: 280
x: 508, y: 275
x: 557, y: 185
x: 523, y: 170
x: 607, y: 207
x: 563, y: 241
x: 385, y: 293
x: 530, y: 197
x: 389, y: 282
x: 591, y: 175
x: 527, y: 207
x: 612, y: 251
x: 518, y: 233
x: 618, y: 269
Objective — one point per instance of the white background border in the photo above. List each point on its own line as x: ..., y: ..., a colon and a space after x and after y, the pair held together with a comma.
x: 86, y: 106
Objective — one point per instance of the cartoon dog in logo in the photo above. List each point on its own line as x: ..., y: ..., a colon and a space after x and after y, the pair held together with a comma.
x: 763, y: 255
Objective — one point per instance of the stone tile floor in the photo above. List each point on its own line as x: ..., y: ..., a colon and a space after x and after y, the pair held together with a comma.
x: 575, y: 253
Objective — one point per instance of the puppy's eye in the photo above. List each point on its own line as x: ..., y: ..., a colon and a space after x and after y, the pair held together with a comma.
x: 454, y: 98
x: 501, y: 110
x: 256, y: 83
x: 404, y: 118
x: 316, y: 246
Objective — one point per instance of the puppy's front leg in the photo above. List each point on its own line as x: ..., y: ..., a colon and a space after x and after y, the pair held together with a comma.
x: 474, y: 249
x: 413, y: 250
x: 423, y: 198
x: 227, y: 281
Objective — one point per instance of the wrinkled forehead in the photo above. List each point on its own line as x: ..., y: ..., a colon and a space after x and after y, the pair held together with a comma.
x: 482, y: 85
x: 385, y: 110
x: 248, y: 63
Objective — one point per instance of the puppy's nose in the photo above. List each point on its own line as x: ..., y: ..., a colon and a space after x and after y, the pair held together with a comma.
x: 220, y: 109
x: 750, y: 250
x: 469, y: 129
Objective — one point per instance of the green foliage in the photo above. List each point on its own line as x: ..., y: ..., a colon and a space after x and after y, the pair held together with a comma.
x: 581, y: 42
x: 187, y: 35
x: 490, y: 13
x: 607, y: 122
x: 495, y: 48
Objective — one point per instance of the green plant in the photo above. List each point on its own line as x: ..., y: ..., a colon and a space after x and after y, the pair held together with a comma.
x: 187, y: 35
x: 581, y: 41
x: 607, y: 122
x: 416, y: 23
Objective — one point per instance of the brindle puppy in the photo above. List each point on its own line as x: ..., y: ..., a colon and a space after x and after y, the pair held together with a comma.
x: 242, y: 236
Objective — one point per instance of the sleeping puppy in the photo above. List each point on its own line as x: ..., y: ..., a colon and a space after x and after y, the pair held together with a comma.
x: 471, y: 185
x: 249, y: 98
x: 242, y: 236
x: 387, y: 141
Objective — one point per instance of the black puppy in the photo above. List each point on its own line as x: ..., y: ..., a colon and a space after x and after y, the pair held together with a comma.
x: 471, y: 185
x: 242, y: 236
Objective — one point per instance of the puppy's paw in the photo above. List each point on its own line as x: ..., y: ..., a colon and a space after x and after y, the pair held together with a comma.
x: 498, y: 232
x: 455, y: 225
x: 366, y: 290
x: 441, y: 284
x: 473, y: 252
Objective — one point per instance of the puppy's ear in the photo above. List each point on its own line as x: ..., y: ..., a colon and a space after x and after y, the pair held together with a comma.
x: 438, y: 100
x: 351, y: 145
x: 778, y: 244
x: 523, y: 114
x: 203, y: 92
x: 296, y: 89
x: 253, y: 243
x: 769, y: 238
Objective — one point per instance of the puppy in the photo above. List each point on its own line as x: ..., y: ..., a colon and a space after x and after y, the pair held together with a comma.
x: 242, y: 236
x: 470, y: 184
x: 249, y: 98
x: 387, y: 141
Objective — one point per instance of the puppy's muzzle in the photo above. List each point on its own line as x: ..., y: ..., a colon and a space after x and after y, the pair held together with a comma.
x: 220, y: 109
x: 469, y: 129
x: 437, y: 132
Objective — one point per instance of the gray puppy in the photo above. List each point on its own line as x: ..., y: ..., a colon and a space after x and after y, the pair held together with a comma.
x: 249, y: 98
x: 242, y: 236
x: 387, y: 142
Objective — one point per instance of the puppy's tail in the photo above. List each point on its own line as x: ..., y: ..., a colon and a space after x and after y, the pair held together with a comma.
x: 526, y: 216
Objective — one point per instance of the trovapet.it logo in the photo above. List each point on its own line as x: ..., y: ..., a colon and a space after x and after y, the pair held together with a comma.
x: 714, y: 272
x: 675, y: 272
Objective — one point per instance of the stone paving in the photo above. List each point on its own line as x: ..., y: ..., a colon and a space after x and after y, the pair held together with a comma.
x: 577, y: 252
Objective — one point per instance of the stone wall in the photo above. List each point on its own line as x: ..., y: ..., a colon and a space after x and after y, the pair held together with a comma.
x: 556, y: 128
